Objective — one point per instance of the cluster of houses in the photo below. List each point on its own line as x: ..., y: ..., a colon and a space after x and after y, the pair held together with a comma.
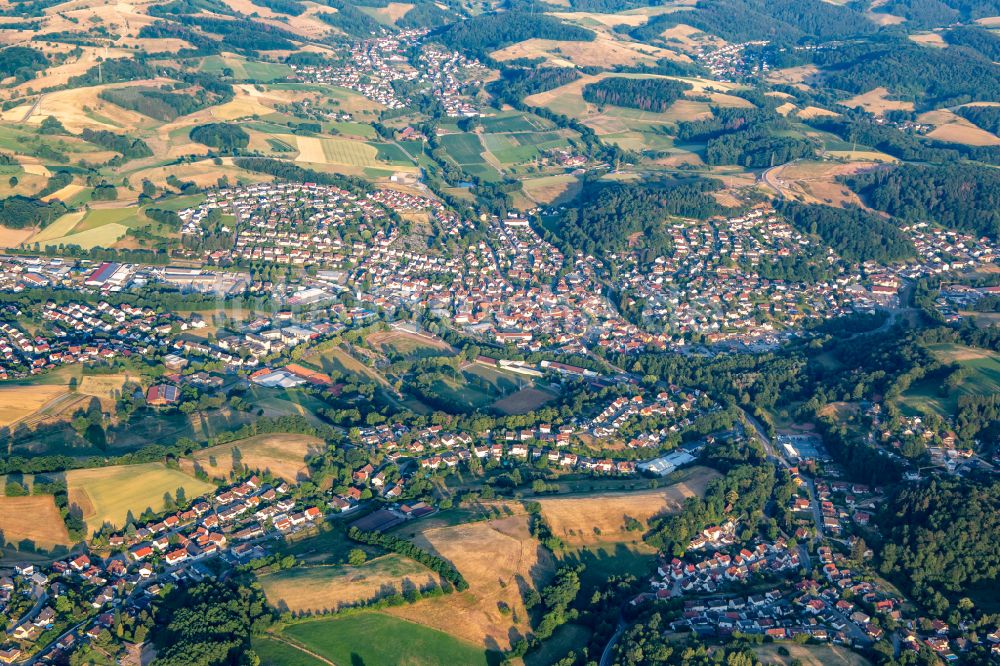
x: 372, y: 67
x: 729, y: 62
x: 709, y: 284
x: 944, y: 250
x: 954, y: 299
x: 232, y: 524
x: 696, y: 575
x: 680, y: 408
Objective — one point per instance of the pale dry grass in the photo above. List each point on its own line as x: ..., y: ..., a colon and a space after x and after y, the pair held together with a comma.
x: 801, y: 77
x: 310, y: 150
x: 61, y: 227
x: 547, y: 189
x: 786, y: 108
x: 576, y: 520
x: 327, y: 588
x: 70, y: 107
x: 106, y: 387
x: 66, y: 193
x: 809, y: 655
x: 284, y: 455
x: 35, y: 518
x: 501, y: 561
x: 877, y: 101
x: 607, y: 20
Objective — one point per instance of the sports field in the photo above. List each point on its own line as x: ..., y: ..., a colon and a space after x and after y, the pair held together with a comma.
x: 327, y: 588
x: 375, y: 638
x: 108, y: 494
x: 281, y: 454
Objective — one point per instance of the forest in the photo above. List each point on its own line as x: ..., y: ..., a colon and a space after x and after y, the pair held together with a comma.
x: 941, y: 541
x: 748, y: 137
x: 655, y: 95
x: 986, y: 117
x: 978, y: 39
x: 932, y: 78
x: 350, y: 19
x: 853, y: 233
x: 128, y: 148
x: 487, y: 32
x: 786, y: 21
x: 965, y: 197
x: 516, y: 83
x: 19, y: 212
x: 606, y: 215
x: 224, y: 136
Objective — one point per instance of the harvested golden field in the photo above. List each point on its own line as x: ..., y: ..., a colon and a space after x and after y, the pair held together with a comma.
x: 284, y: 455
x: 73, y: 66
x: 392, y: 12
x: 19, y: 402
x: 81, y: 107
x: 786, y: 108
x: 801, y: 77
x: 574, y: 519
x: 13, y: 237
x: 815, y: 112
x: 604, y: 51
x: 500, y: 560
x: 953, y: 128
x: 35, y: 518
x: 106, y: 387
x: 929, y: 39
x: 109, y: 494
x: 607, y: 20
x: 328, y: 588
x: 877, y: 101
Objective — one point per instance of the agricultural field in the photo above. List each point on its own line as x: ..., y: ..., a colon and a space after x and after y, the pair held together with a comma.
x: 376, y: 638
x: 328, y: 588
x: 499, y: 559
x: 600, y: 518
x: 523, y: 401
x: 817, y: 181
x: 20, y: 402
x: 983, y: 367
x: 554, y: 190
x: 283, y: 455
x: 34, y: 518
x: 464, y: 149
x: 109, y: 494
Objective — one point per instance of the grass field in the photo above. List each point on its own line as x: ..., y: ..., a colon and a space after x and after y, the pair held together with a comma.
x: 106, y: 387
x: 273, y: 651
x: 283, y: 455
x: 983, y: 379
x: 108, y: 494
x: 35, y: 518
x: 374, y: 638
x: 574, y: 519
x: 500, y: 560
x: 809, y: 655
x: 523, y: 401
x: 327, y: 588
x: 552, y: 189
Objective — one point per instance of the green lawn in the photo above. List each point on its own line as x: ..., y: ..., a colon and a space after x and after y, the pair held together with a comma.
x: 272, y: 651
x: 374, y: 639
x: 982, y: 365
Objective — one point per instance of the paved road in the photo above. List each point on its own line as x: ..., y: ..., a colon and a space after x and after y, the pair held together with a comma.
x: 606, y: 655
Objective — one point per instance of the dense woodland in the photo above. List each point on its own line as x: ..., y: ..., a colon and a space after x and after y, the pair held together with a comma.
x: 748, y: 137
x: 928, y: 545
x: 746, y: 20
x: 487, y: 32
x: 959, y: 196
x: 128, y: 147
x: 224, y: 136
x: 855, y: 234
x: 645, y: 94
x: 605, y: 217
